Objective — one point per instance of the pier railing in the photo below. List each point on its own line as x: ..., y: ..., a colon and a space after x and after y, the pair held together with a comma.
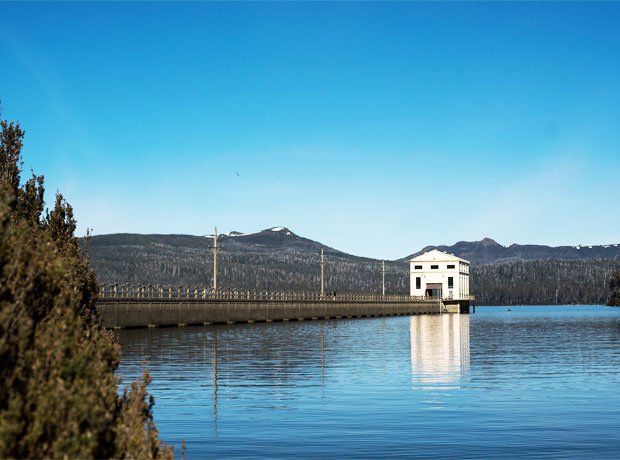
x: 186, y: 293
x: 453, y: 297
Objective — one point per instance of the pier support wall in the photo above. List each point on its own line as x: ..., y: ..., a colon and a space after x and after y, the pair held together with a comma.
x: 456, y: 306
x: 119, y: 313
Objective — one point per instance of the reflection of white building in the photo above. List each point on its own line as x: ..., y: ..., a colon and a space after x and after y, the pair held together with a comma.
x: 439, y: 349
x: 439, y: 275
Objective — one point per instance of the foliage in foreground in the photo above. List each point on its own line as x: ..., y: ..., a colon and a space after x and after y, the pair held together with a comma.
x: 58, y: 392
x: 614, y: 285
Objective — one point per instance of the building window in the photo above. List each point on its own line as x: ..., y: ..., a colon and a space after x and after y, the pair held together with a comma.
x: 418, y: 267
x: 450, y: 282
x: 434, y: 267
x: 450, y: 266
x: 418, y: 282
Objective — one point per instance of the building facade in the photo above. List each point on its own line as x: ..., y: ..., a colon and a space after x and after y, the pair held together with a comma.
x: 436, y: 274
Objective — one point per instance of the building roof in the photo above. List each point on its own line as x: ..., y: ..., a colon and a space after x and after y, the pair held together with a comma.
x: 435, y: 255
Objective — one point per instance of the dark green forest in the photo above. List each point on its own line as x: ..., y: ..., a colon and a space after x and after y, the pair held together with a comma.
x: 543, y: 282
x: 614, y: 287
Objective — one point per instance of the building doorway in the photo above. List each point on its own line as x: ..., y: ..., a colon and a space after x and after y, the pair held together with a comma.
x: 433, y: 291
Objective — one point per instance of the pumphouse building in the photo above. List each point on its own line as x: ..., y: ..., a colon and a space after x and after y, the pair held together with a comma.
x: 439, y: 275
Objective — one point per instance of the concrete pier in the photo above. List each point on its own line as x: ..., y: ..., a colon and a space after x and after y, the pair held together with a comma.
x: 124, y: 313
x: 148, y: 306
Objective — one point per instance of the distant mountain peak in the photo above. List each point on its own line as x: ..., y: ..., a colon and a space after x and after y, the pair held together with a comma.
x: 280, y: 231
x: 490, y: 242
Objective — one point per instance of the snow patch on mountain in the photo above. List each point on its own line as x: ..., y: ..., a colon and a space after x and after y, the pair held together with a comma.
x: 235, y: 234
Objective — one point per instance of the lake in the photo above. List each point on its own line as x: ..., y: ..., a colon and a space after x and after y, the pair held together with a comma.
x: 532, y: 382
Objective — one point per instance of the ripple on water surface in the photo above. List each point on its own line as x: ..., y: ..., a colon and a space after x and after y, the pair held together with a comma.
x: 533, y: 382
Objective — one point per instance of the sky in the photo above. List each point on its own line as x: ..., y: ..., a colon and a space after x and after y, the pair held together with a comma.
x: 377, y: 128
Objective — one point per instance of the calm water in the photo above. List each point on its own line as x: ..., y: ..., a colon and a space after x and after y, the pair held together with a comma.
x: 533, y: 382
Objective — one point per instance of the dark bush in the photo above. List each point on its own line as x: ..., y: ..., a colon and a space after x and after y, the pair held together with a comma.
x: 58, y: 391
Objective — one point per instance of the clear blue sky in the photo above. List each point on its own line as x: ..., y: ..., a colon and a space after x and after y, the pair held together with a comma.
x: 376, y: 128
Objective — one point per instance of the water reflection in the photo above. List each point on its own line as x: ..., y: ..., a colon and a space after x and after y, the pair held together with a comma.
x: 214, y: 381
x: 541, y: 381
x: 439, y: 350
x: 208, y: 381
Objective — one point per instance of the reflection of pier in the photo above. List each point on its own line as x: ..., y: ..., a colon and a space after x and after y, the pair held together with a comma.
x: 215, y: 383
x: 127, y: 306
x: 439, y: 350
x: 254, y: 355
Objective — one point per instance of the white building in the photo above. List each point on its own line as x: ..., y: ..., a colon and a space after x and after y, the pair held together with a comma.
x: 438, y: 274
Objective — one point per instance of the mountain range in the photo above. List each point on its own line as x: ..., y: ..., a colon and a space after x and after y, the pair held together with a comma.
x: 277, y: 258
x: 485, y: 251
x: 488, y: 251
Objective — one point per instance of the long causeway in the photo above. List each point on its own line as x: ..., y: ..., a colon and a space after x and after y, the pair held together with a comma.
x: 128, y: 307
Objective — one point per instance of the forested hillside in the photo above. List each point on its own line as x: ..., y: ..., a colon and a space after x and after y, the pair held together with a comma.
x: 543, y: 282
x: 265, y: 260
x: 279, y: 259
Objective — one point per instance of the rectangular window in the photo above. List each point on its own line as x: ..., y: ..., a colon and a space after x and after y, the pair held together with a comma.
x: 434, y: 267
x: 450, y: 282
x: 450, y: 266
x: 418, y: 267
x: 418, y: 282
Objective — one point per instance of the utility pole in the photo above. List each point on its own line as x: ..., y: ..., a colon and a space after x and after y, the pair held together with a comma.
x: 215, y: 260
x: 322, y: 273
x: 383, y: 275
